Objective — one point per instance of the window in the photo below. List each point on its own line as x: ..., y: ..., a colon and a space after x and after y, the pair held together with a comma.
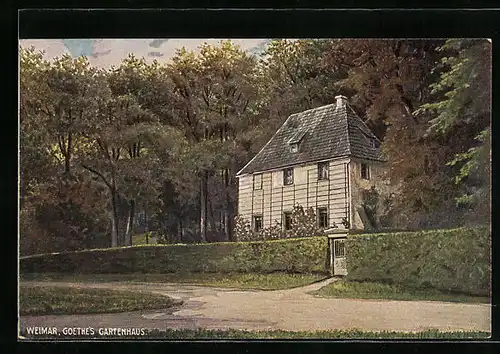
x: 257, y: 222
x: 323, y: 170
x: 322, y: 218
x: 339, y: 248
x: 288, y: 176
x: 287, y: 220
x: 296, y: 139
x: 365, y: 171
x: 257, y: 181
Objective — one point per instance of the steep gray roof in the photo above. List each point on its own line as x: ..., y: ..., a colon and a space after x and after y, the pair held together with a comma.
x: 324, y: 132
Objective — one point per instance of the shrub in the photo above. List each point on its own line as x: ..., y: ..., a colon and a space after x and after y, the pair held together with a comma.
x: 63, y: 215
x: 303, y: 224
x: 299, y: 255
x: 370, y: 202
x: 451, y: 260
x: 242, y: 230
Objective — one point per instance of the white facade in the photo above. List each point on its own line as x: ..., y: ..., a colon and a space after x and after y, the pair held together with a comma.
x: 270, y: 199
x: 341, y: 193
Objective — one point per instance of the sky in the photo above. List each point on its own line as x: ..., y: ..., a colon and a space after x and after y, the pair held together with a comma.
x: 107, y: 52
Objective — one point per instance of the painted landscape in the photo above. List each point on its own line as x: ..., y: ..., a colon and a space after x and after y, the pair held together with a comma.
x: 255, y: 188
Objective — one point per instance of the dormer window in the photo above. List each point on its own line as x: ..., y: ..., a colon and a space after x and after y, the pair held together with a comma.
x: 295, y: 140
x: 374, y: 143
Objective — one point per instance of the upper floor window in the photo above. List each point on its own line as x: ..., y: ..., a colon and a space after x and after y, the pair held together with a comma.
x: 294, y: 147
x: 288, y: 176
x: 365, y: 171
x: 257, y: 181
x: 323, y: 170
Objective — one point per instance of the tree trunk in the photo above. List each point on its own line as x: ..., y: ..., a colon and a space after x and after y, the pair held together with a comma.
x: 203, y: 206
x: 227, y: 228
x: 114, y: 218
x: 178, y: 237
x: 130, y: 224
x: 67, y: 156
x: 225, y: 181
x: 182, y: 231
x: 212, y: 229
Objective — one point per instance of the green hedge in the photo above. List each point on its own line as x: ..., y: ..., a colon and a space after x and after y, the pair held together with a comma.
x: 299, y: 255
x: 453, y: 260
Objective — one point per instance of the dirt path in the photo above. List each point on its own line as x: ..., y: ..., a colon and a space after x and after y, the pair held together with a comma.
x: 293, y: 310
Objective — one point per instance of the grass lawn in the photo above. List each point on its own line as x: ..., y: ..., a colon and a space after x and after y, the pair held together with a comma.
x: 272, y: 281
x: 369, y: 290
x: 34, y: 300
x: 234, y: 334
x: 332, y: 334
x: 140, y: 239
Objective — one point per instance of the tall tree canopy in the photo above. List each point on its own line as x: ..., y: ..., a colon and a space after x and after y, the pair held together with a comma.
x: 461, y: 107
x: 156, y: 146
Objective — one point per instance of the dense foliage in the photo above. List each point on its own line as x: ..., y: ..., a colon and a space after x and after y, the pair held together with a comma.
x: 303, y: 223
x: 451, y: 260
x: 297, y: 255
x: 106, y: 153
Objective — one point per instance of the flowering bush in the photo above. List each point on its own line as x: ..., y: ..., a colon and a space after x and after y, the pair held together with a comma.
x: 242, y: 230
x: 303, y: 224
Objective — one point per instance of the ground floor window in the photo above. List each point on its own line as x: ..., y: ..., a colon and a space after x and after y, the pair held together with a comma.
x: 257, y: 222
x: 287, y: 220
x: 322, y: 217
x: 365, y: 171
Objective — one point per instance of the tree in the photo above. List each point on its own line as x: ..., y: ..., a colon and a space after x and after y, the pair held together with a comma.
x: 211, y: 95
x: 36, y: 166
x: 121, y: 138
x: 390, y: 79
x: 59, y: 208
x: 296, y: 78
x: 461, y: 106
x: 71, y: 105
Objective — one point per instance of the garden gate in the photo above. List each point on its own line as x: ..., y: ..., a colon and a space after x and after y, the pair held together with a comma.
x: 338, y: 264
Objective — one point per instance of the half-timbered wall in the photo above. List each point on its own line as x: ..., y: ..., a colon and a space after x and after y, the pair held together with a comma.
x: 274, y: 198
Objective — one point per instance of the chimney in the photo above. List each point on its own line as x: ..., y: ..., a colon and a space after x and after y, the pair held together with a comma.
x: 341, y: 101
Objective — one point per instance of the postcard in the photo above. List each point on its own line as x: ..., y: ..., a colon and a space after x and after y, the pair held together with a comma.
x: 254, y: 188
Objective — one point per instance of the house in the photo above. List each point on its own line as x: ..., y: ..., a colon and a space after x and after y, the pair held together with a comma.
x: 322, y: 158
